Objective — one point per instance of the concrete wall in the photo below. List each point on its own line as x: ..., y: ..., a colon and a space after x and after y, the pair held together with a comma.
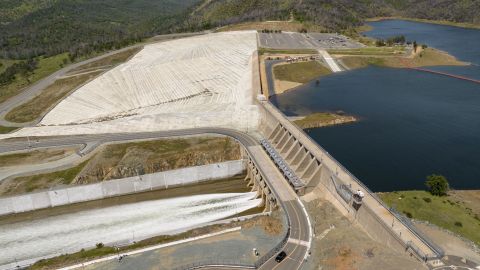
x: 129, y: 185
x: 376, y: 226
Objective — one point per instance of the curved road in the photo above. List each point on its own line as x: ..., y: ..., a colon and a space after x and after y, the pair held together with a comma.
x: 35, y: 89
x: 298, y: 243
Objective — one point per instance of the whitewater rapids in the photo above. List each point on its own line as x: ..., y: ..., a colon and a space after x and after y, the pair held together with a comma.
x: 68, y: 233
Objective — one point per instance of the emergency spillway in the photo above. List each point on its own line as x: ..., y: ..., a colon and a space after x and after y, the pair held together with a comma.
x: 117, y: 224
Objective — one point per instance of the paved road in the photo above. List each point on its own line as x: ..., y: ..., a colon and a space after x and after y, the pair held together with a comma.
x: 35, y: 89
x: 297, y: 246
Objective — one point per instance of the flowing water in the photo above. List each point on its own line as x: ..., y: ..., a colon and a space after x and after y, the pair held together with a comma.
x: 120, y: 224
x: 412, y: 123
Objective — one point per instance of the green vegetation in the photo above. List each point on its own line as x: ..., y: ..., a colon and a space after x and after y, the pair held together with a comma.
x: 109, y: 61
x: 5, y: 63
x: 333, y: 16
x: 44, y: 67
x: 291, y: 26
x: 433, y: 21
x: 36, y: 107
x: 30, y: 28
x: 300, y: 72
x: 23, y: 68
x: 354, y: 62
x: 391, y: 41
x: 371, y: 51
x: 262, y: 51
x: 324, y: 119
x: 35, y: 156
x: 444, y: 212
x: 4, y: 130
x: 74, y: 257
x: 84, y: 27
x: 26, y: 184
x: 130, y: 159
x: 101, y: 250
x: 437, y: 185
x: 424, y: 57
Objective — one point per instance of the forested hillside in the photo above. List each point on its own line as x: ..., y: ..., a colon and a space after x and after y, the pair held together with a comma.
x: 333, y: 15
x: 31, y: 28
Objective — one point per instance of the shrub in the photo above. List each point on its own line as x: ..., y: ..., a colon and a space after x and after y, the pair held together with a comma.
x: 99, y: 245
x: 458, y: 224
x: 437, y: 185
x: 408, y: 214
x: 427, y: 200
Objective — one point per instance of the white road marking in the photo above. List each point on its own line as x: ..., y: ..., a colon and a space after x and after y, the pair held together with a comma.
x: 151, y: 248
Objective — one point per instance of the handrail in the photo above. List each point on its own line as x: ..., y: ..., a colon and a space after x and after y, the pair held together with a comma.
x: 279, y: 246
x: 436, y: 249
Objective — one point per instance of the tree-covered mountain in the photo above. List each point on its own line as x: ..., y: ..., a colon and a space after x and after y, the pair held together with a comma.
x: 30, y: 28
x: 332, y: 14
x: 48, y: 27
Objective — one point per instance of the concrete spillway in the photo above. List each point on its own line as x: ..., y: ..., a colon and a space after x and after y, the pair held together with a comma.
x: 121, y: 224
x: 201, y: 81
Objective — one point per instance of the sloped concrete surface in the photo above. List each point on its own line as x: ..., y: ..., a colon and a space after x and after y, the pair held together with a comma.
x: 193, y: 82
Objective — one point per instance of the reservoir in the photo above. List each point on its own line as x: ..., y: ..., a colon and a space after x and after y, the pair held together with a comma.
x: 413, y: 124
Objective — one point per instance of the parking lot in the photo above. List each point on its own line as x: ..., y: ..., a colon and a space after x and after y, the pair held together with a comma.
x: 292, y: 40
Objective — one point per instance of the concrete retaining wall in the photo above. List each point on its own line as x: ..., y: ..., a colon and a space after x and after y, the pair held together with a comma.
x: 373, y: 216
x: 129, y: 185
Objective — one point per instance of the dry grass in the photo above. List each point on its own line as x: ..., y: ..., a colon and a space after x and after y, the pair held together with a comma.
x: 347, y: 245
x: 375, y: 51
x: 273, y: 25
x: 270, y: 224
x: 441, y: 22
x: 26, y: 184
x: 109, y: 61
x: 324, y: 119
x: 35, y: 156
x: 48, y: 98
x: 86, y: 255
x: 130, y: 159
x: 55, y: 92
x: 427, y: 57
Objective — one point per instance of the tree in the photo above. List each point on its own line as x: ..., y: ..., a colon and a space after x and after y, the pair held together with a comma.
x: 415, y: 45
x: 437, y: 184
x: 380, y: 43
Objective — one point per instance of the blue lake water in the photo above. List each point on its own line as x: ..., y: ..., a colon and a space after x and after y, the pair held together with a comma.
x: 412, y: 123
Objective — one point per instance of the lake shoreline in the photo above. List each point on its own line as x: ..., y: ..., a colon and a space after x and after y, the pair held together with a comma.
x: 324, y: 119
x: 436, y: 22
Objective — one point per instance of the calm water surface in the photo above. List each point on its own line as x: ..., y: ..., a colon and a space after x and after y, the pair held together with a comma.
x: 413, y: 123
